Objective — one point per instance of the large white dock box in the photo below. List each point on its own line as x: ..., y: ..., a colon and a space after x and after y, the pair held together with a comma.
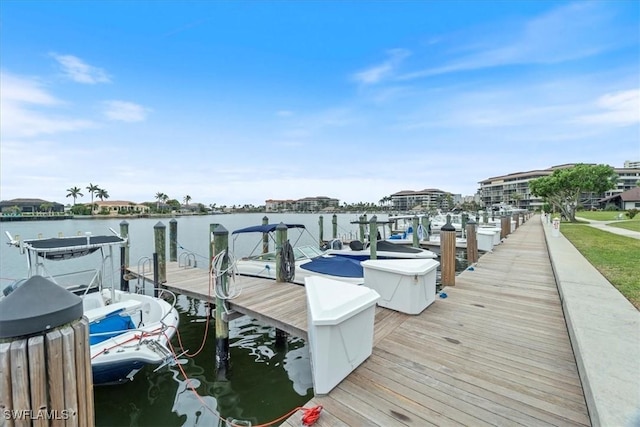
x: 340, y: 319
x: 485, y: 239
x: 406, y: 285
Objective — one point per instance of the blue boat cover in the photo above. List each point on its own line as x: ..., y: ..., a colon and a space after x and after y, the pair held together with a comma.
x: 267, y: 228
x: 114, y: 323
x: 335, y: 266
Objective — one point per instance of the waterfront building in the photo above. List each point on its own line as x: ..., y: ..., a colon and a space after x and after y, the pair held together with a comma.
x: 115, y: 207
x: 427, y: 199
x: 514, y: 188
x: 30, y: 206
x: 306, y: 204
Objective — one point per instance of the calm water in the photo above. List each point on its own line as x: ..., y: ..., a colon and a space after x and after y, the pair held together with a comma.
x: 264, y: 382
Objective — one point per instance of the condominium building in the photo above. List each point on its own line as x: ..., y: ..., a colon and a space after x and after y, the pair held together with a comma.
x: 427, y: 199
x: 514, y: 188
x: 306, y: 204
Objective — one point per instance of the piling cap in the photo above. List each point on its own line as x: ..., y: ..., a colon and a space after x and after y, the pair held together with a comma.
x: 448, y: 226
x: 38, y: 305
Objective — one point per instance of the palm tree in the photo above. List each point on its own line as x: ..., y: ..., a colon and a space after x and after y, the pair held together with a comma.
x: 75, y: 193
x: 102, y: 194
x: 162, y: 198
x: 187, y: 199
x: 92, y: 190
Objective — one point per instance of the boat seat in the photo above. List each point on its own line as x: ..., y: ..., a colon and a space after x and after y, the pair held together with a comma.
x: 356, y: 245
x: 126, y: 306
x: 92, y: 301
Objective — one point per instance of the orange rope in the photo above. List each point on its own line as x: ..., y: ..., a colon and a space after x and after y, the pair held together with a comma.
x: 310, y: 416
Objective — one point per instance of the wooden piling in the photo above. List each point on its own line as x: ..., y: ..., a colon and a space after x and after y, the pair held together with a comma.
x: 373, y: 241
x: 448, y: 253
x: 334, y: 226
x: 415, y: 238
x: 45, y: 362
x: 425, y: 226
x: 321, y: 230
x: 265, y: 236
x: 281, y: 238
x: 221, y: 245
x: 173, y: 240
x: 361, y: 223
x: 124, y: 259
x: 160, y: 233
x: 472, y: 242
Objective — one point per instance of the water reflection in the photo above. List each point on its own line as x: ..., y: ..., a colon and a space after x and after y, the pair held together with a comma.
x: 264, y: 381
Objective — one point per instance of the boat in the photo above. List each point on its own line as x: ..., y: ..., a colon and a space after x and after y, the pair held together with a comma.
x: 299, y: 261
x: 384, y: 250
x: 127, y: 330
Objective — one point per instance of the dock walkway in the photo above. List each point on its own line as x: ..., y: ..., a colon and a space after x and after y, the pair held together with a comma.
x: 495, y: 351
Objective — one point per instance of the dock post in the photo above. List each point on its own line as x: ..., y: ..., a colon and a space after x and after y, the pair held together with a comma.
x: 373, y: 242
x: 472, y: 242
x: 160, y: 233
x: 265, y: 236
x: 464, y: 218
x: 156, y: 275
x: 503, y: 227
x: 361, y: 222
x: 221, y: 245
x: 485, y: 217
x: 425, y: 226
x: 281, y: 237
x: 416, y: 239
x: 124, y: 232
x: 321, y: 230
x: 173, y: 240
x: 212, y: 248
x: 334, y: 226
x: 448, y: 253
x: 45, y: 359
x: 124, y: 283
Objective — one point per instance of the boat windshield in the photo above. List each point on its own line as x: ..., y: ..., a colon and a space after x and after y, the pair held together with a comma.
x: 307, y: 252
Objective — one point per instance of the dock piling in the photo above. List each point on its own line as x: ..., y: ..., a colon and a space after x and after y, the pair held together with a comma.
x: 415, y: 234
x: 472, y: 242
x: 373, y: 241
x: 265, y: 236
x: 124, y: 232
x: 160, y: 233
x: 221, y: 245
x: 334, y: 226
x: 173, y: 240
x: 321, y: 230
x: 281, y: 238
x: 448, y: 253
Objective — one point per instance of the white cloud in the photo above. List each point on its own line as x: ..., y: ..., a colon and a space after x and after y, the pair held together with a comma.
x: 284, y: 113
x: 79, y: 71
x: 382, y: 71
x: 565, y: 33
x: 20, y: 101
x: 618, y: 108
x: 125, y: 111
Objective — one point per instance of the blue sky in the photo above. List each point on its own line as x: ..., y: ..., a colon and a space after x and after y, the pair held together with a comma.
x: 238, y: 102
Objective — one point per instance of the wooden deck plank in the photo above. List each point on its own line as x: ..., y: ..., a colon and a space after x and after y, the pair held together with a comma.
x: 494, y: 352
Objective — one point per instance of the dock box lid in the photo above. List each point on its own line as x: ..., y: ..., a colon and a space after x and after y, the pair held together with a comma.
x: 489, y: 232
x: 402, y: 266
x: 332, y: 301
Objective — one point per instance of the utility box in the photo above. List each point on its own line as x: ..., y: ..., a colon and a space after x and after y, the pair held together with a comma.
x: 485, y: 240
x: 340, y: 318
x: 406, y: 285
x: 555, y: 231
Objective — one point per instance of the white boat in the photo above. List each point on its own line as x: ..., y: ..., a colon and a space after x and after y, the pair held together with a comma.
x: 127, y: 330
x: 298, y: 261
x: 384, y: 250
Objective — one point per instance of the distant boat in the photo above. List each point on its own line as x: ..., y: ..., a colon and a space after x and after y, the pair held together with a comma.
x: 298, y: 261
x: 127, y: 330
x: 384, y: 250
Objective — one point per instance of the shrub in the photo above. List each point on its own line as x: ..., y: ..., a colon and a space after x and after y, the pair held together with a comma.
x: 611, y: 207
x: 632, y: 212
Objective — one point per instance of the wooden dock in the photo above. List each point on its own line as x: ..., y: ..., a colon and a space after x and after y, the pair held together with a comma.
x: 496, y: 351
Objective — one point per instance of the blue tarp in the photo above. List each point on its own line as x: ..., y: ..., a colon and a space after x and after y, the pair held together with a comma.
x: 268, y: 228
x: 335, y: 266
x: 114, y: 323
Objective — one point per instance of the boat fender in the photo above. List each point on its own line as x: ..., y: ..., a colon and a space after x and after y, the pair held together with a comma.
x: 443, y: 295
x: 471, y: 269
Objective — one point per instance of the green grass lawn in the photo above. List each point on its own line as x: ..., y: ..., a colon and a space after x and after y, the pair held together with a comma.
x: 629, y: 225
x: 604, y: 215
x: 615, y: 257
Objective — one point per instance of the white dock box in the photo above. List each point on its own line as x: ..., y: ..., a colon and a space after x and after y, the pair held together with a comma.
x: 485, y: 239
x: 340, y: 319
x: 406, y: 285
